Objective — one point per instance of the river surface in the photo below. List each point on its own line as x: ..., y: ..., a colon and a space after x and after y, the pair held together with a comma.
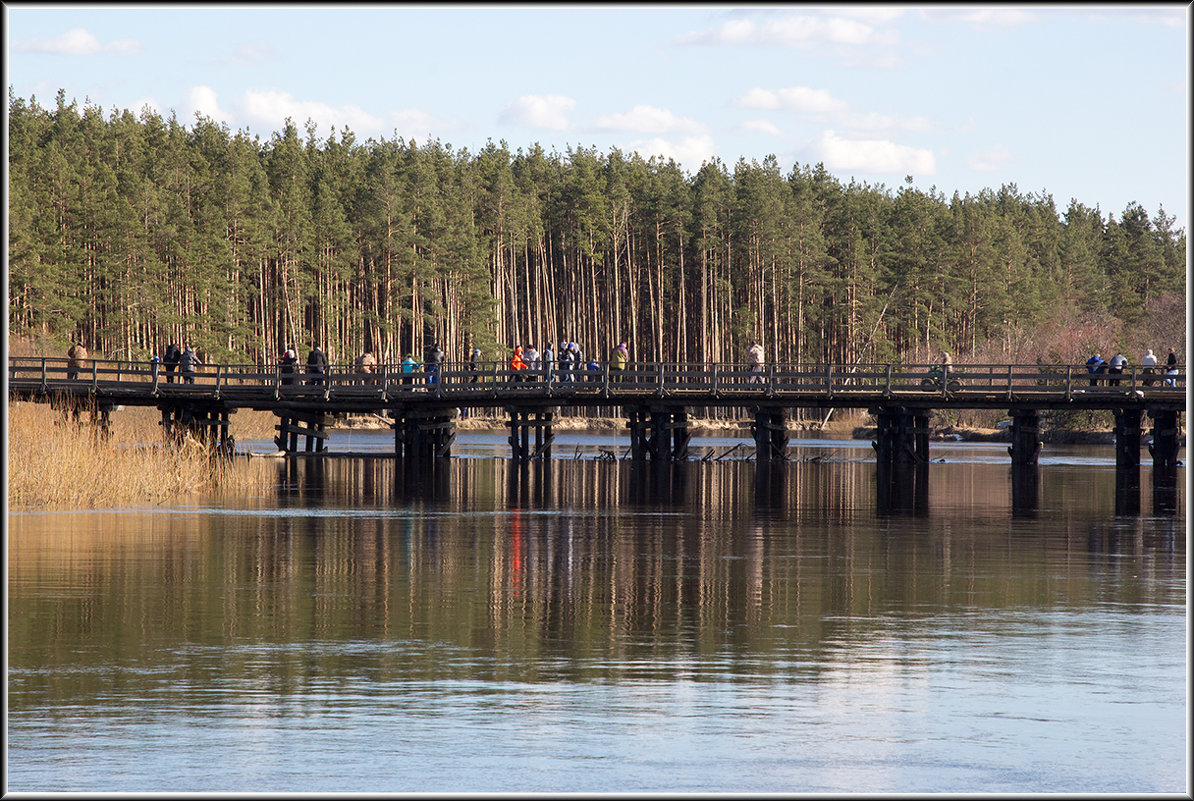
x: 585, y: 625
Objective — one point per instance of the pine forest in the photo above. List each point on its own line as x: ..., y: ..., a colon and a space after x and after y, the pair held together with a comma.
x: 133, y: 230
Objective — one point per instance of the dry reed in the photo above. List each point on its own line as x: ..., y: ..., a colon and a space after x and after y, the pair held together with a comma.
x: 56, y: 463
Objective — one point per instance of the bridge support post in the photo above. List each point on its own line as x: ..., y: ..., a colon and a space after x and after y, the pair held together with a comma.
x: 207, y: 425
x: 1164, y: 448
x: 658, y: 433
x: 903, y: 436
x: 902, y: 461
x: 680, y: 435
x: 1026, y: 441
x: 1128, y: 430
x: 636, y: 421
x: 770, y: 431
x: 521, y: 422
x: 423, y: 433
x: 293, y: 423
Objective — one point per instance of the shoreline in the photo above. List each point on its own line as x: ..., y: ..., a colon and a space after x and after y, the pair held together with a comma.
x: 845, y: 429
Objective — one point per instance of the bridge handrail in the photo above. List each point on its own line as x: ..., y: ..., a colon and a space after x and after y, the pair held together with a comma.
x: 728, y: 379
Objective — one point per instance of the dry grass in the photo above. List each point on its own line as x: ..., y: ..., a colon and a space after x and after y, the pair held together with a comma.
x: 54, y: 463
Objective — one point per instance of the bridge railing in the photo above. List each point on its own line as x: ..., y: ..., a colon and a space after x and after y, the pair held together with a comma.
x: 455, y: 379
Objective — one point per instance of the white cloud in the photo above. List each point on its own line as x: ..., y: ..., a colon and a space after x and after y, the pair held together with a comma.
x: 540, y: 111
x: 419, y: 125
x: 648, y: 119
x: 874, y: 156
x: 248, y: 54
x: 1172, y: 17
x: 793, y: 31
x: 1004, y: 17
x: 877, y: 15
x: 270, y: 109
x: 202, y: 100
x: 820, y: 105
x: 990, y: 160
x: 761, y: 126
x: 77, y: 42
x: 986, y: 16
x: 797, y: 98
x: 139, y: 105
x: 690, y: 152
x: 759, y: 98
x: 874, y: 122
x: 797, y: 31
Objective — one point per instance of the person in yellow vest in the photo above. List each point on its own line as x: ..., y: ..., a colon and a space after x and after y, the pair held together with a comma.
x: 617, y: 361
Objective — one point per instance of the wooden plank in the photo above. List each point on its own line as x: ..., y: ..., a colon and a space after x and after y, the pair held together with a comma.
x: 302, y: 431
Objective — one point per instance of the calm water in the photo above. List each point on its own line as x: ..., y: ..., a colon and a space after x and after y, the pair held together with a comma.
x: 585, y: 626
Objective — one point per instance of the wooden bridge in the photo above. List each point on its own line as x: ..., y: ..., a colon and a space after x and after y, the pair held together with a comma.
x: 655, y: 399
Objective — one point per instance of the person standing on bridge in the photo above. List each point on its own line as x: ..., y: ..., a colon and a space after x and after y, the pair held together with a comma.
x: 173, y: 355
x: 75, y: 358
x: 517, y: 364
x: 1094, y: 366
x: 549, y: 362
x: 187, y: 363
x: 367, y: 365
x: 566, y: 362
x: 617, y: 362
x: 286, y: 365
x: 1118, y: 363
x: 754, y: 357
x: 531, y: 356
x: 474, y: 364
x: 1171, y: 368
x: 434, y: 359
x: 317, y: 365
x: 1148, y: 366
x: 409, y: 365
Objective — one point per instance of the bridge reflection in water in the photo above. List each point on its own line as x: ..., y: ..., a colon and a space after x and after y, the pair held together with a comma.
x: 655, y: 399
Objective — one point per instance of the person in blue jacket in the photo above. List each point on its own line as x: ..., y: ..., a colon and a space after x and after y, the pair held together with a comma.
x: 1094, y: 366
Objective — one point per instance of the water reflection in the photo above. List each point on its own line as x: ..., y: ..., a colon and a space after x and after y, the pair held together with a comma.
x: 902, y: 489
x: 1127, y: 492
x: 1026, y: 490
x: 372, y: 596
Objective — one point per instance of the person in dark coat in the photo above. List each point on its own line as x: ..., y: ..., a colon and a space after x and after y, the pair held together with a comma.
x: 474, y: 364
x: 317, y: 365
x: 432, y: 361
x: 172, y: 358
x: 187, y: 363
x: 566, y: 362
x: 286, y: 365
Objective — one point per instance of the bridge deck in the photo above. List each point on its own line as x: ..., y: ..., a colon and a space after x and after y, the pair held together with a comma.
x: 344, y: 391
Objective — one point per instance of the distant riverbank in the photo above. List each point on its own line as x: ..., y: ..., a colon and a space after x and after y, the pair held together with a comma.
x: 833, y: 429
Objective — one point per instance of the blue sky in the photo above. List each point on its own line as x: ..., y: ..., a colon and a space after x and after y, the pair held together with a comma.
x: 1079, y: 102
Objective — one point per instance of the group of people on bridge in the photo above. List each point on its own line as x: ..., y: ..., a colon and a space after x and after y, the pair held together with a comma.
x: 565, y: 366
x: 1097, y: 367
